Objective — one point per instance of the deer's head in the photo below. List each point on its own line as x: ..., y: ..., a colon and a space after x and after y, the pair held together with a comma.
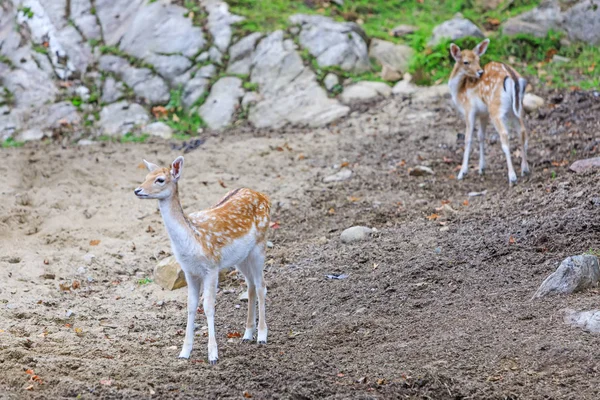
x: 467, y: 61
x: 160, y: 183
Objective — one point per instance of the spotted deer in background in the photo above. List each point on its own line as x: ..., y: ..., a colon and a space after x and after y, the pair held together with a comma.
x: 231, y: 233
x: 494, y: 92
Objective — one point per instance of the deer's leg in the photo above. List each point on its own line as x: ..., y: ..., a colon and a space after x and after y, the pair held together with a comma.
x: 211, y: 281
x: 246, y: 268
x: 193, y: 284
x: 503, y: 132
x: 483, y: 121
x: 524, y: 147
x: 257, y: 260
x: 468, y: 141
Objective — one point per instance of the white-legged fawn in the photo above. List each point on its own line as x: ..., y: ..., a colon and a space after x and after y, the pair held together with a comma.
x: 493, y: 92
x: 231, y: 233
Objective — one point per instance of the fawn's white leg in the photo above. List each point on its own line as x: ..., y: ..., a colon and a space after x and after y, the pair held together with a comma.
x: 258, y: 262
x: 483, y: 121
x: 211, y: 281
x: 503, y: 132
x: 251, y: 320
x: 193, y: 294
x: 468, y: 141
x: 524, y: 147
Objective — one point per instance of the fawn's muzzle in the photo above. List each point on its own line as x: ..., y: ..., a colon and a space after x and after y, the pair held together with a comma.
x: 138, y: 191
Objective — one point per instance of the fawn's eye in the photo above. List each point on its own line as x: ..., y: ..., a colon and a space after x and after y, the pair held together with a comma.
x: 466, y: 62
x: 160, y: 180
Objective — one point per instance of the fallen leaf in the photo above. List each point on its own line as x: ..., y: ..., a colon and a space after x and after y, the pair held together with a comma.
x: 68, y: 325
x: 247, y: 394
x: 64, y: 286
x: 30, y: 387
x: 301, y: 157
x: 446, y: 202
x: 466, y: 203
x: 29, y: 372
x: 78, y: 331
x: 106, y: 382
x: 402, y: 163
x: 150, y: 229
x: 175, y: 118
x: 433, y: 217
x: 231, y: 335
x: 222, y: 183
x: 344, y: 164
x: 340, y: 375
x: 493, y: 21
x: 375, y: 265
x: 592, y: 67
x: 75, y: 285
x: 274, y: 225
x: 141, y: 166
x: 331, y: 211
x: 562, y: 163
x: 353, y: 199
x: 46, y: 261
x: 94, y: 242
x: 512, y: 240
x: 381, y: 381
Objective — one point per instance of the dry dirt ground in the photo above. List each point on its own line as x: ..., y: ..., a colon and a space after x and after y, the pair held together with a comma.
x: 432, y: 308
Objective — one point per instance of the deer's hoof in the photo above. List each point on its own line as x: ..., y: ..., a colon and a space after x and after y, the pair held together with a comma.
x: 213, y: 362
x: 262, y: 342
x: 246, y: 340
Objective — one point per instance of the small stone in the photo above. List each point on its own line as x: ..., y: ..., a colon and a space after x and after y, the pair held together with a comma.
x: 342, y: 175
x: 560, y: 59
x: 48, y: 276
x: 589, y: 321
x: 159, y: 129
x: 169, y: 275
x: 389, y: 74
x: 583, y: 165
x: 364, y: 92
x: 86, y: 142
x: 420, y: 170
x: 270, y: 245
x: 444, y: 229
x: 243, y: 296
x: 89, y: 258
x: 403, y: 30
x: 330, y: 81
x: 69, y: 313
x: 360, y: 310
x: 574, y: 274
x: 355, y: 234
x: 531, y: 102
x: 322, y: 240
x: 454, y: 29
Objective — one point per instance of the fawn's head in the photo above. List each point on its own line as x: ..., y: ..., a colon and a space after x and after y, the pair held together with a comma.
x: 160, y: 183
x: 467, y: 61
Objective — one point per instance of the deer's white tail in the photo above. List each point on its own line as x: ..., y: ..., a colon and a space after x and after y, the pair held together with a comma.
x: 516, y: 89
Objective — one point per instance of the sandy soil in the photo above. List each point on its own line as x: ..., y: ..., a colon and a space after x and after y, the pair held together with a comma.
x: 432, y: 308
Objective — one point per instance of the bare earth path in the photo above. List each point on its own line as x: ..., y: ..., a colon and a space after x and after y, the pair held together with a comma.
x: 432, y: 308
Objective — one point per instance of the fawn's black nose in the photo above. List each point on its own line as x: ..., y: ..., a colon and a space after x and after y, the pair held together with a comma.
x: 480, y: 73
x: 137, y: 191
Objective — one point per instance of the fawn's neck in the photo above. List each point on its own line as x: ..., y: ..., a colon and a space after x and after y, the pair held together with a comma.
x: 175, y: 220
x: 456, y: 82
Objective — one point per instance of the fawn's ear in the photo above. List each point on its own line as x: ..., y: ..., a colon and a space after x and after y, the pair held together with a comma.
x: 455, y: 51
x: 481, y: 47
x: 151, y: 167
x: 176, y: 168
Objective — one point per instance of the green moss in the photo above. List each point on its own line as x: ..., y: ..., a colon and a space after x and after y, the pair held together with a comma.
x: 132, y: 138
x: 10, y: 142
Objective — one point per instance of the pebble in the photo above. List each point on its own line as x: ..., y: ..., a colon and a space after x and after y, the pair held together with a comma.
x: 89, y: 258
x: 355, y: 234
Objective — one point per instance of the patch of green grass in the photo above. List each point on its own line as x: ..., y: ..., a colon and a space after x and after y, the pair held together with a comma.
x: 266, y: 15
x: 95, y: 42
x: 132, y: 138
x: 195, y: 11
x: 180, y: 120
x: 5, y: 60
x: 593, y: 252
x: 8, y: 98
x: 10, y: 142
x: 136, y: 62
x: 106, y: 138
x: 144, y: 281
x: 251, y: 86
x: 27, y: 12
x: 38, y: 48
x: 76, y: 101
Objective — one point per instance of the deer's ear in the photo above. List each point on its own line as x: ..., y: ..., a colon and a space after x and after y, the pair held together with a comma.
x: 481, y: 47
x: 176, y: 168
x: 151, y: 167
x: 455, y: 51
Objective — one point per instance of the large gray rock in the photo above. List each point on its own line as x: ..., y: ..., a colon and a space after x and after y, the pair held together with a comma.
x: 290, y: 92
x: 574, y: 274
x: 122, y: 117
x: 333, y: 43
x: 342, y: 175
x: 81, y: 13
x: 536, y: 22
x: 582, y: 22
x: 112, y: 90
x: 169, y: 275
x: 222, y: 102
x: 364, y: 92
x: 43, y: 120
x: 397, y: 56
x: 589, y: 321
x: 193, y: 90
x: 456, y: 28
x: 159, y: 129
x: 330, y: 81
x: 240, y: 54
x: 219, y: 22
x: 169, y: 67
x: 116, y: 17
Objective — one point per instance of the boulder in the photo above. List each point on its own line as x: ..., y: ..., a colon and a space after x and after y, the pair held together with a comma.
x: 193, y: 90
x: 341, y: 44
x: 456, y: 28
x: 169, y: 275
x: 356, y: 234
x: 289, y: 89
x: 364, y: 92
x: 222, y: 102
x: 395, y: 56
x: 403, y: 30
x: 583, y: 165
x: 122, y: 117
x: 390, y: 74
x: 240, y: 54
x: 219, y: 22
x: 574, y: 274
x: 112, y: 90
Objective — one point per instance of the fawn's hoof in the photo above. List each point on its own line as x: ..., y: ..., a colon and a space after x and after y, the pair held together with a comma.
x: 246, y: 340
x: 213, y: 362
x: 184, y: 357
x: 262, y: 342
